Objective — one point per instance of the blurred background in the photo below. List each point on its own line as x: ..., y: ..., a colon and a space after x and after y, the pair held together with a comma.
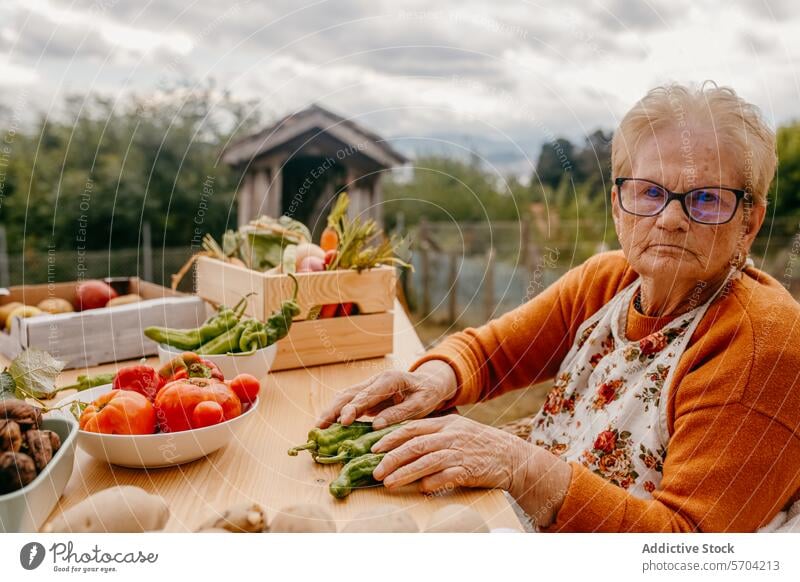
x: 119, y: 121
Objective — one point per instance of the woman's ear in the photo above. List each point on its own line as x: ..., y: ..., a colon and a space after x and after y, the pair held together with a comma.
x: 753, y: 219
x: 614, y: 205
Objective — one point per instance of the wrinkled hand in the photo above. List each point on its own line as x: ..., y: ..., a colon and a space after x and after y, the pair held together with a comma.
x: 393, y: 396
x: 451, y: 451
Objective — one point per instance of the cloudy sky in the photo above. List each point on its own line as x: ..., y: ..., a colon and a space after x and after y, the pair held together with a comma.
x: 500, y: 77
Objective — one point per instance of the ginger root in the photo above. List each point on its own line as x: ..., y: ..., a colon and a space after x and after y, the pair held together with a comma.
x: 241, y: 518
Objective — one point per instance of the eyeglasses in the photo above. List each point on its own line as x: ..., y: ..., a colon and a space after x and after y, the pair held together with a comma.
x: 706, y: 205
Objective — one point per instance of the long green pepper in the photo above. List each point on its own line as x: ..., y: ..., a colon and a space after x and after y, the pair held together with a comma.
x: 189, y: 339
x: 356, y: 473
x: 225, y: 343
x: 352, y: 448
x: 279, y: 323
x: 325, y: 441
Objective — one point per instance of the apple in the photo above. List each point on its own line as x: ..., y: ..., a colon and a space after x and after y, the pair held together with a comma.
x: 93, y: 295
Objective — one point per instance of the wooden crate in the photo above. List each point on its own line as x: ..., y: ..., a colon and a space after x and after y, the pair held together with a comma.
x: 317, y: 341
x: 98, y: 336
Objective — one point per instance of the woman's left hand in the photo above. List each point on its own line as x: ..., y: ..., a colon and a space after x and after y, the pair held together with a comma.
x: 451, y: 451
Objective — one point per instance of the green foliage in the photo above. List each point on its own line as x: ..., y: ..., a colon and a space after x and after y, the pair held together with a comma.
x: 785, y: 190
x: 91, y: 177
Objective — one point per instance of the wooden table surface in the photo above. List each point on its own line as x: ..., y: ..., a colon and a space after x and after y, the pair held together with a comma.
x: 255, y: 466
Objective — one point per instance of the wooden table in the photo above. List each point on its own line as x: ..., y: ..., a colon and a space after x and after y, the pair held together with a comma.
x: 255, y: 465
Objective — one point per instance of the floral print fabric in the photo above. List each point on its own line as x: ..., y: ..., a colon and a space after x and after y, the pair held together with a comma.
x: 607, y: 407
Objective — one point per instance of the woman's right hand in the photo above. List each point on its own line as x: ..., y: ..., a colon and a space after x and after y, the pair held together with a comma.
x: 394, y: 396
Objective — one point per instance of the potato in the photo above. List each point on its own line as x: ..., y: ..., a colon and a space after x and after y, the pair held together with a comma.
x: 303, y: 518
x: 121, y: 509
x: 22, y: 311
x: 456, y: 518
x: 6, y: 309
x: 55, y: 305
x: 241, y: 518
x: 382, y: 519
x: 124, y: 300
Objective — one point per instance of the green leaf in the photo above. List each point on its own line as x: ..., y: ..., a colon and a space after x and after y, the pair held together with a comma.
x: 7, y: 385
x: 34, y: 373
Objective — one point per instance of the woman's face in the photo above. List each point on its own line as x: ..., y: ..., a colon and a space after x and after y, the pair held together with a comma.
x: 670, y: 246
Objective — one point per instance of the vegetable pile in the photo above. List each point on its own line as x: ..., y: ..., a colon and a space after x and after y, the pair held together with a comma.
x: 229, y: 332
x: 284, y: 246
x: 187, y: 393
x: 350, y: 445
x: 90, y: 294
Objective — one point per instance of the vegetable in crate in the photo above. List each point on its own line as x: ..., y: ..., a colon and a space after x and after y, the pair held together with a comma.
x: 93, y: 295
x: 356, y: 473
x: 326, y: 441
x: 352, y: 448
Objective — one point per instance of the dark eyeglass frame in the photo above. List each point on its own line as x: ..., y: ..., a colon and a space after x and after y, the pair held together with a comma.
x: 681, y: 197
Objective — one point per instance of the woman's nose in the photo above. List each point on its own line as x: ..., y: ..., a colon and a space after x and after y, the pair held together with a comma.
x: 673, y: 217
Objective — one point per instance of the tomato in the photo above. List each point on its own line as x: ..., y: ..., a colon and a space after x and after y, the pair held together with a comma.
x: 207, y: 413
x: 119, y: 412
x: 330, y: 256
x: 246, y: 387
x: 176, y: 401
x: 189, y: 365
x: 139, y: 378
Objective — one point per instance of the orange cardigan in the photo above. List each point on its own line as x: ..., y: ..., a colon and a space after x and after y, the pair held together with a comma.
x: 733, y: 459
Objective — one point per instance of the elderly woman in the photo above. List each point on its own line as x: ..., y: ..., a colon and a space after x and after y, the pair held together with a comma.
x: 675, y: 362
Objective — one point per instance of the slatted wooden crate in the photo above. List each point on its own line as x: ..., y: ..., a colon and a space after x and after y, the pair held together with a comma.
x: 98, y: 336
x: 312, y: 341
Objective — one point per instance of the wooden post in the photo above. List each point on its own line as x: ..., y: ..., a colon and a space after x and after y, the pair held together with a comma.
x: 5, y: 277
x: 488, y: 292
x: 147, y: 252
x: 425, y: 267
x: 452, y: 305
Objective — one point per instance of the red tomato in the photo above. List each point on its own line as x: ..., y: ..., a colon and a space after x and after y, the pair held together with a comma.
x: 207, y: 413
x: 119, y: 412
x: 330, y: 256
x: 93, y: 295
x: 139, y: 378
x: 246, y: 387
x: 176, y: 401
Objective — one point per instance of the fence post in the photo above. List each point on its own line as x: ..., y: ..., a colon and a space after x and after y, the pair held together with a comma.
x: 147, y: 252
x: 425, y: 267
x: 488, y: 292
x: 5, y: 277
x: 452, y: 304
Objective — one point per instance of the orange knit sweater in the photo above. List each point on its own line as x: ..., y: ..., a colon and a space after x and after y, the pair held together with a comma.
x: 733, y: 459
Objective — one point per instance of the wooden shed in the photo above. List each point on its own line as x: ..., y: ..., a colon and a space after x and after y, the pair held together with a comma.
x: 298, y: 165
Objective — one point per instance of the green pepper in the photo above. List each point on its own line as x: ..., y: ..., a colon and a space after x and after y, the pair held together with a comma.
x: 352, y: 448
x: 326, y: 441
x: 279, y: 323
x: 189, y: 339
x: 356, y: 473
x: 85, y: 382
x: 254, y: 336
x: 223, y: 344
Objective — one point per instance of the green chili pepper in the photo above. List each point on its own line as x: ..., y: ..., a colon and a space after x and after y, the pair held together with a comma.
x: 189, y: 339
x: 254, y: 336
x: 223, y: 344
x: 85, y: 382
x: 356, y: 473
x: 352, y: 448
x: 326, y: 441
x: 279, y: 323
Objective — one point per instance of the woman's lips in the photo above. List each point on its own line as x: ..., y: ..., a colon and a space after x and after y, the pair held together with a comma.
x: 669, y: 248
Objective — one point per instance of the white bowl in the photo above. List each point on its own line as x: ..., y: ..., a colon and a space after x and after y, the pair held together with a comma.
x: 151, y: 451
x: 256, y: 364
x: 26, y: 509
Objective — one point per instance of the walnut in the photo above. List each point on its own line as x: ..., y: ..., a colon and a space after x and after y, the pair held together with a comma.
x: 25, y: 415
x: 55, y: 440
x: 16, y: 471
x: 10, y: 436
x: 38, y: 447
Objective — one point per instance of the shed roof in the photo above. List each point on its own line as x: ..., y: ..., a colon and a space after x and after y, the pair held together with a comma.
x: 313, y: 120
